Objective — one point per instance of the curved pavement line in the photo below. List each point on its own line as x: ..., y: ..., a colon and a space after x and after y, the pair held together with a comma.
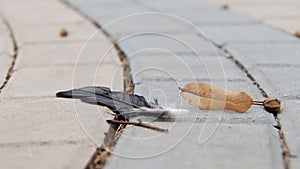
x: 10, y: 56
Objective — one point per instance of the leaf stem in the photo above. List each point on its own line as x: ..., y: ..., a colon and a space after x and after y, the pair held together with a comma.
x: 259, y: 103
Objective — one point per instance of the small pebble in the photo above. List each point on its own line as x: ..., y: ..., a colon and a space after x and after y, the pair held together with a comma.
x: 297, y: 34
x: 63, y: 32
x: 225, y: 6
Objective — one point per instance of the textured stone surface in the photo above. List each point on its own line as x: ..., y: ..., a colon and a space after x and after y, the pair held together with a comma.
x: 279, y: 81
x: 274, y: 65
x: 290, y: 122
x: 197, y: 129
x: 67, y: 53
x: 46, y: 81
x: 50, y: 120
x: 196, y: 12
x: 51, y: 33
x: 108, y: 11
x: 5, y: 63
x: 6, y: 50
x: 290, y: 25
x: 148, y: 22
x: 37, y: 129
x: 177, y: 43
x: 6, y: 42
x: 245, y: 33
x: 251, y: 54
x: 189, y: 5
x: 283, y: 15
x: 187, y: 149
x: 50, y: 12
x: 191, y: 67
x: 208, y: 15
x: 157, y: 64
x: 36, y: 156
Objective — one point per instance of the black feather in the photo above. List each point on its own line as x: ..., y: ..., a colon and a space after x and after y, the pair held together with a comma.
x: 116, y: 101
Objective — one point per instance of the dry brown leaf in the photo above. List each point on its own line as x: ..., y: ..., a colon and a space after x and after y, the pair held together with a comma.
x: 210, y: 97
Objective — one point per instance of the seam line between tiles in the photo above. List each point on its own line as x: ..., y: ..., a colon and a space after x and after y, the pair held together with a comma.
x: 10, y: 70
x: 98, y: 159
x: 284, y: 147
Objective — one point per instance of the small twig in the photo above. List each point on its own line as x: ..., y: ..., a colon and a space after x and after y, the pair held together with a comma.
x: 139, y: 123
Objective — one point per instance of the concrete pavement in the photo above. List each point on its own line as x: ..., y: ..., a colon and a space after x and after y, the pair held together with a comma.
x: 283, y: 15
x: 160, y: 62
x: 167, y: 44
x: 38, y: 130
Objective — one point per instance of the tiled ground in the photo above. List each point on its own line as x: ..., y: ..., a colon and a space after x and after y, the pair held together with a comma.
x: 38, y: 130
x: 160, y: 62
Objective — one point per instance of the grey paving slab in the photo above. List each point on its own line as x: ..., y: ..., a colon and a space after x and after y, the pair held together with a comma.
x: 196, y: 12
x: 211, y: 16
x: 290, y: 119
x: 279, y: 81
x: 5, y: 62
x: 171, y: 66
x: 3, y: 26
x: 38, y: 120
x: 275, y: 65
x: 248, y: 138
x: 245, y: 33
x: 109, y: 8
x: 176, y: 5
x: 182, y: 147
x: 72, y: 53
x: 107, y: 3
x: 147, y: 22
x: 107, y: 11
x: 295, y: 163
x: 42, y: 156
x: 51, y: 33
x: 50, y: 12
x: 263, y: 11
x: 180, y: 44
x: 37, y: 129
x: 279, y: 54
x: 6, y: 43
x: 289, y: 24
x: 283, y: 15
x: 6, y: 50
x: 46, y: 81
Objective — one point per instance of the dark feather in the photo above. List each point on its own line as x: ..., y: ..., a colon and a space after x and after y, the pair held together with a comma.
x: 116, y: 101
